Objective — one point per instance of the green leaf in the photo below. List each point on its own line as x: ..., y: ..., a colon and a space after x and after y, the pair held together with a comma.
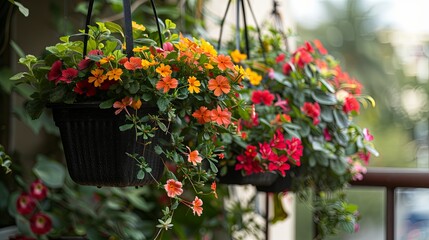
x: 348, y: 226
x: 162, y: 126
x: 140, y: 174
x: 113, y: 27
x: 107, y: 104
x: 341, y: 119
x: 21, y: 8
x: 213, y: 167
x: 126, y: 127
x: 50, y: 172
x: 328, y: 86
x: 372, y: 150
x: 158, y: 150
x: 5, y: 196
x: 169, y: 24
x: 34, y: 108
x: 338, y: 166
x: 327, y: 114
x: 18, y: 76
x: 163, y: 104
x: 324, y: 98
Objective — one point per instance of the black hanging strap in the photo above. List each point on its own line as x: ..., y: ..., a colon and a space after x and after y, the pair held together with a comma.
x: 222, y: 23
x: 128, y: 28
x: 157, y: 23
x: 258, y: 30
x: 129, y: 42
x: 87, y: 22
x: 246, y: 31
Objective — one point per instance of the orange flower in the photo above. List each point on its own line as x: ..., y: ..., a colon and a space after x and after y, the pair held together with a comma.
x: 136, y: 104
x: 167, y: 83
x: 194, y: 85
x: 202, y: 115
x: 197, y: 206
x: 224, y: 62
x: 133, y: 63
x: 164, y: 70
x: 173, y: 188
x: 97, y: 77
x: 221, y: 116
x: 193, y: 157
x: 107, y: 59
x: 213, y: 188
x: 114, y: 74
x: 122, y: 105
x: 219, y: 85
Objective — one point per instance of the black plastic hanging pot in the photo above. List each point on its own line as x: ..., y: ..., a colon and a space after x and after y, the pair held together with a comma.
x: 257, y: 179
x: 95, y: 149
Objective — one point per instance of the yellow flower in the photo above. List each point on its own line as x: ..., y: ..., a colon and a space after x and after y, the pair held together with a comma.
x: 208, y: 66
x: 237, y: 56
x: 138, y: 26
x: 164, y: 70
x: 140, y: 49
x: 254, y: 78
x: 107, y: 59
x: 114, y: 74
x: 194, y: 85
x: 97, y: 77
x: 208, y: 48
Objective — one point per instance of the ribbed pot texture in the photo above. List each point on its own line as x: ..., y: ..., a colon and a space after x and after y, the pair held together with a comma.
x: 95, y: 149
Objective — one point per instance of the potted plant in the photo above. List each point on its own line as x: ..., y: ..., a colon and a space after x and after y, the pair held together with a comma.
x: 188, y: 87
x: 318, y: 103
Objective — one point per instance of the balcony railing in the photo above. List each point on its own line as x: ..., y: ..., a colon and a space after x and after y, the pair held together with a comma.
x: 392, y: 178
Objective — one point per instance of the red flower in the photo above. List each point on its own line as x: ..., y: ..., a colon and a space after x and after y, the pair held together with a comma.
x: 25, y: 204
x: 301, y: 57
x: 40, y: 224
x: 280, y: 58
x: 55, y: 73
x: 308, y: 47
x: 251, y: 151
x: 263, y: 96
x: 84, y: 64
x: 294, y: 149
x: 84, y: 87
x: 279, y: 163
x: 68, y: 75
x: 265, y: 151
x: 312, y: 110
x: 249, y: 164
x: 351, y: 105
x: 287, y: 68
x: 38, y: 190
x: 278, y: 140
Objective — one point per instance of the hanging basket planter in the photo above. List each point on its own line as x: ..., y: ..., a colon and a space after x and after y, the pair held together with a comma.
x: 95, y: 149
x: 281, y: 184
x: 264, y: 179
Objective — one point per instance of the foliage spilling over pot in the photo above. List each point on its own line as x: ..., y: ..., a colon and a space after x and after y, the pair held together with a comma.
x: 193, y: 88
x: 314, y: 101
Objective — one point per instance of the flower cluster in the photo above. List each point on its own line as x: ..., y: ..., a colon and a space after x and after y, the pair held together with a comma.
x: 28, y: 205
x: 315, y: 102
x: 192, y: 86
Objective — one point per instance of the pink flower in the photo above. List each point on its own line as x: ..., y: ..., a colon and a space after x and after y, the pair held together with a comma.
x: 25, y: 204
x: 308, y: 47
x: 271, y: 73
x: 168, y: 46
x: 283, y: 104
x: 40, y: 224
x: 312, y: 110
x: 38, y: 190
x: 367, y: 135
x: 173, y: 188
x: 263, y: 96
x: 327, y: 135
